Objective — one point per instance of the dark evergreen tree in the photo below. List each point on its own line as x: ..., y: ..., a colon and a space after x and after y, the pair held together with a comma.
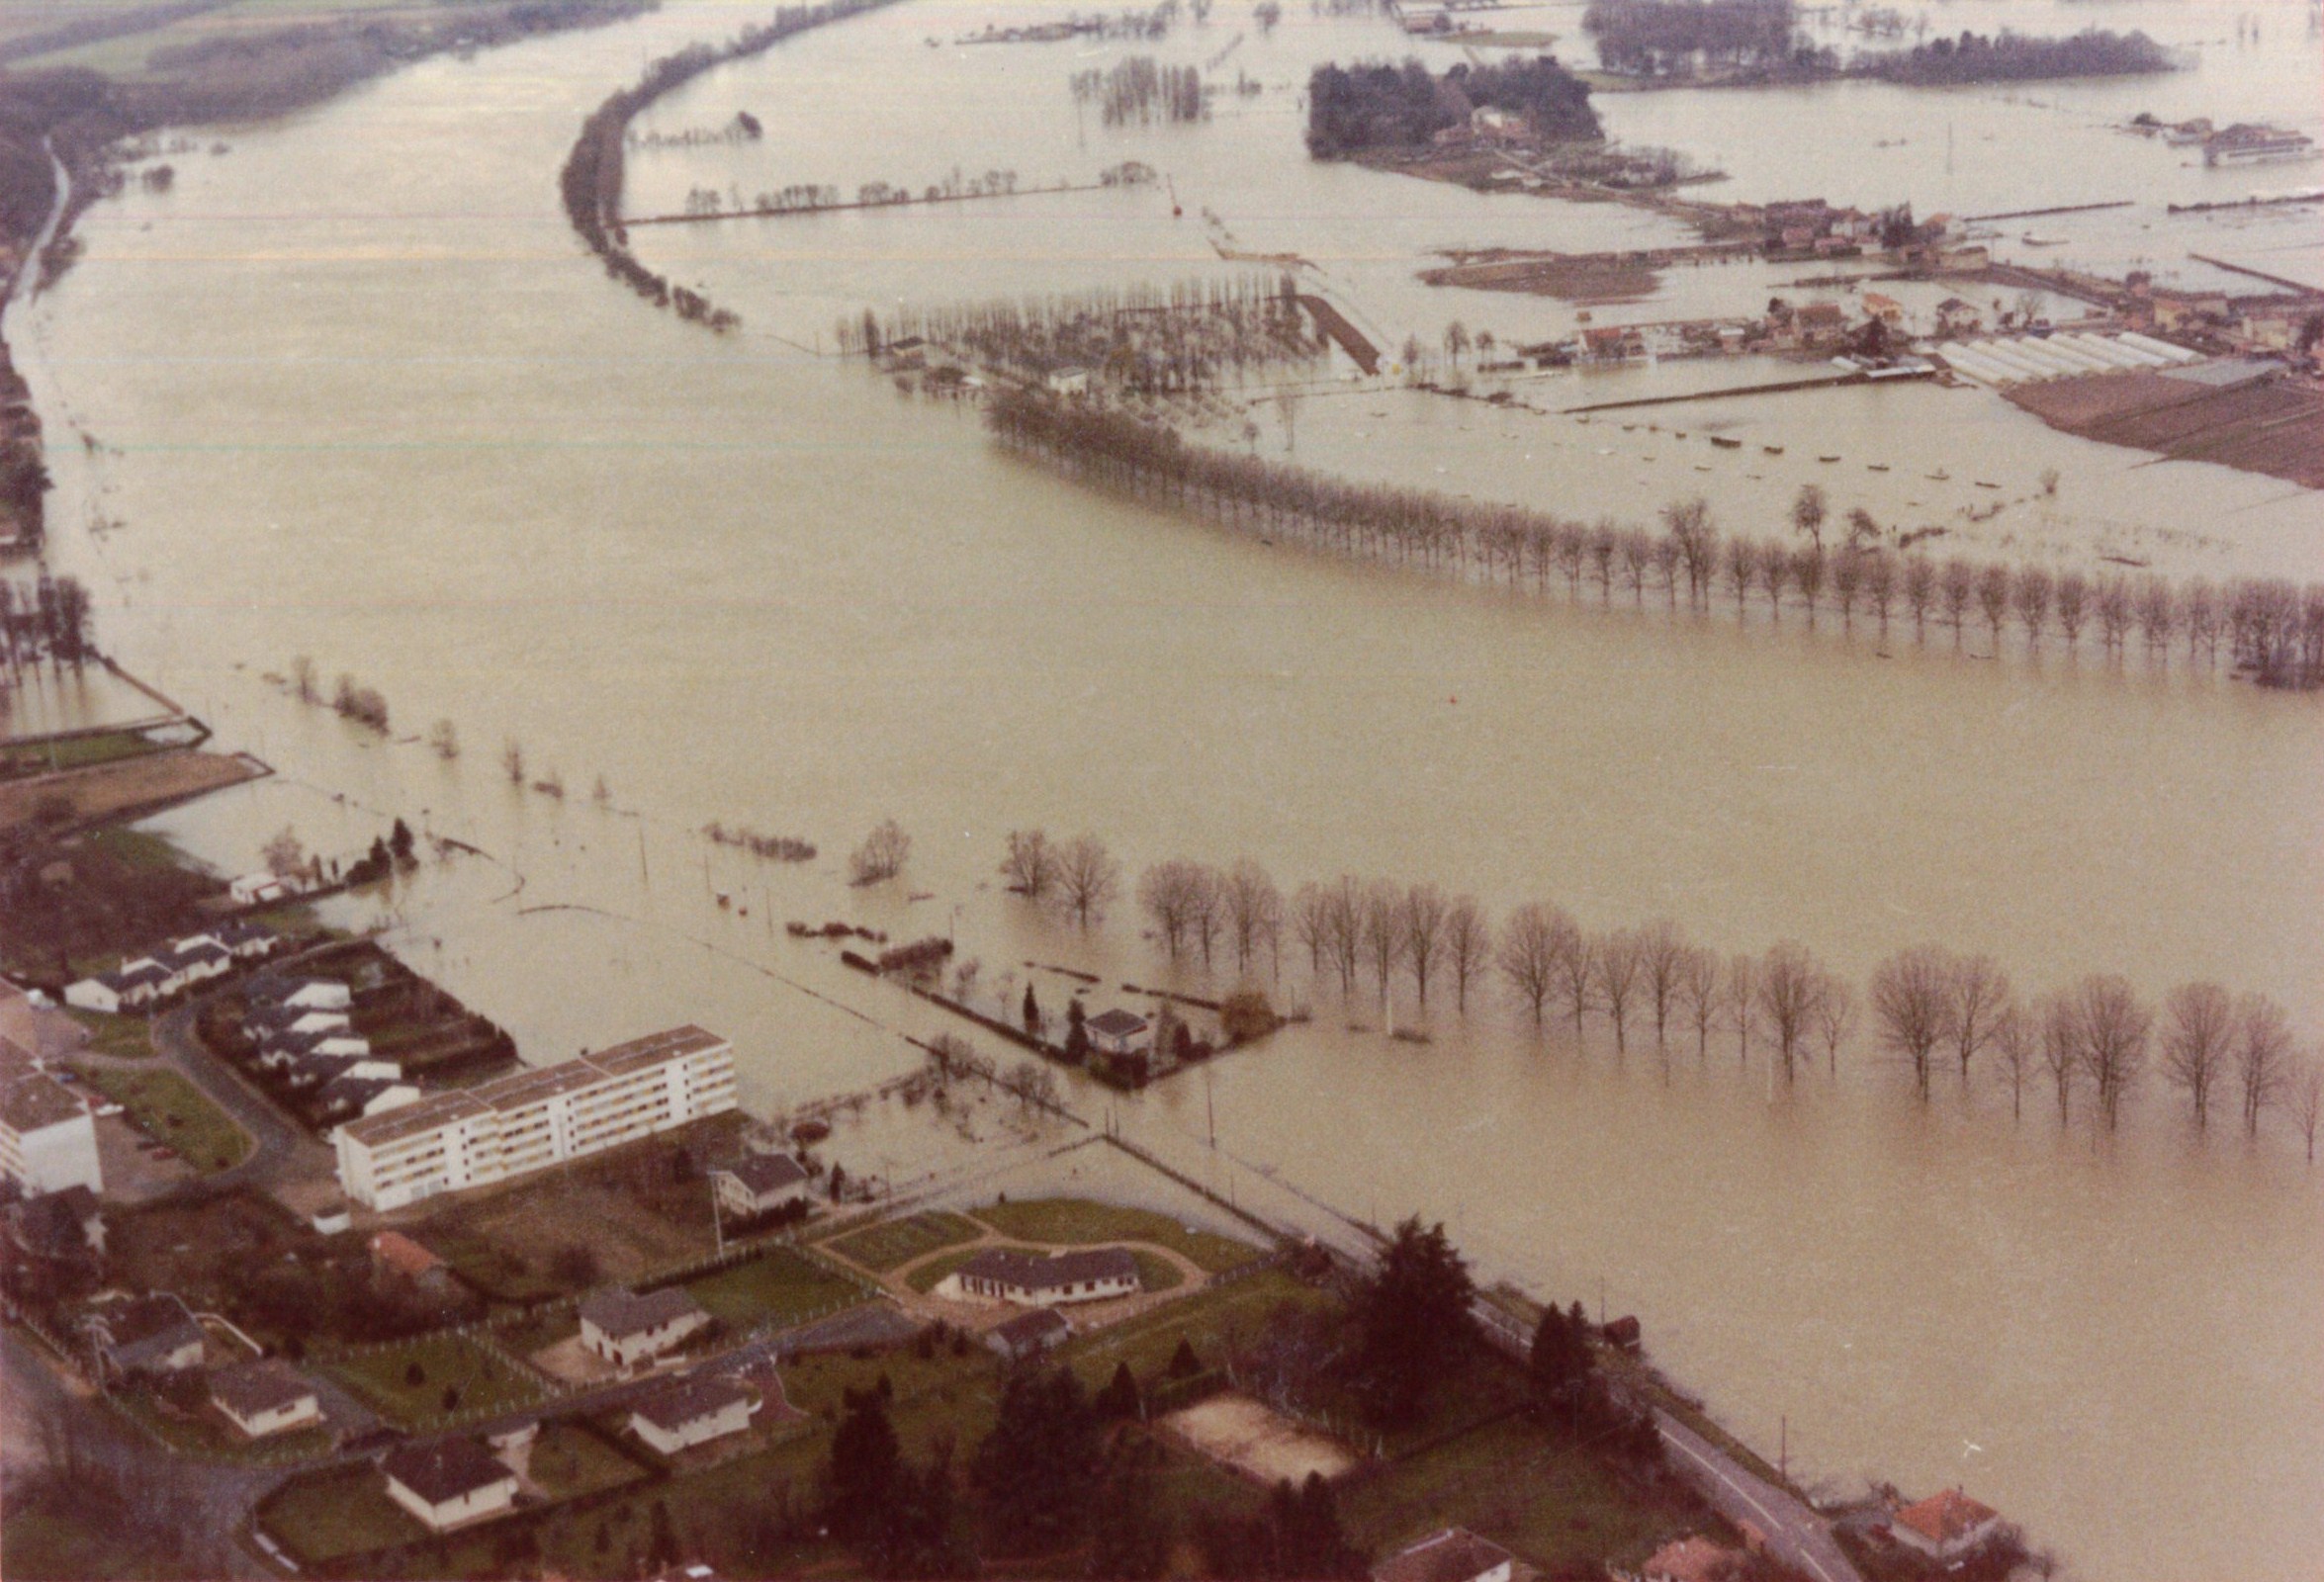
x: 1036, y: 1471
x: 1120, y: 1397
x: 1132, y: 1536
x: 1032, y: 1013
x: 1413, y: 1320
x: 864, y: 1467
x: 1559, y: 1363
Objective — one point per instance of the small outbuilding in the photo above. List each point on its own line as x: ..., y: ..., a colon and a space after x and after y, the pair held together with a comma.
x: 1120, y: 1032
x: 1454, y: 1554
x: 1029, y: 1334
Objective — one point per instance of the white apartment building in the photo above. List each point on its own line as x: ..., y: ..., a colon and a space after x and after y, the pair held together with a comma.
x: 48, y: 1137
x: 532, y: 1119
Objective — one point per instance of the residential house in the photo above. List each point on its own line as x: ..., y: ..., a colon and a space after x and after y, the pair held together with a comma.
x: 1955, y: 316
x: 1068, y: 380
x: 1030, y: 1280
x: 153, y: 1334
x: 1493, y: 125
x: 265, y: 1397
x: 1820, y: 323
x: 1613, y: 343
x: 692, y: 1412
x: 626, y: 1328
x: 1946, y: 1527
x: 396, y: 1256
x: 197, y: 960
x: 450, y: 1484
x: 256, y: 889
x: 133, y: 986
x: 1884, y: 307
x: 759, y: 1184
x: 355, y: 1095
x: 1455, y: 1554
x: 274, y: 1022
x: 249, y: 941
x: 48, y: 1137
x: 1118, y: 1032
x: 1029, y: 1334
x: 60, y: 1227
x: 307, y: 994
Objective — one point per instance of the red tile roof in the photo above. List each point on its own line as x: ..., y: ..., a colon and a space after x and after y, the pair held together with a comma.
x: 1947, y: 1517
x: 401, y: 1255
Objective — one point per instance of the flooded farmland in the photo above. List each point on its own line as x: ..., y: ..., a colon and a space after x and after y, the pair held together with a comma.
x: 356, y: 394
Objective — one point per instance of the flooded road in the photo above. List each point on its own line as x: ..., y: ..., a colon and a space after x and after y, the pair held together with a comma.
x: 356, y: 394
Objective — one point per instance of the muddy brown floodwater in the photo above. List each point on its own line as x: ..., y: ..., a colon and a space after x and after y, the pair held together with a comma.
x: 357, y: 394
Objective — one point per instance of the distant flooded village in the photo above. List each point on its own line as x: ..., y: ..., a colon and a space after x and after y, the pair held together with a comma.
x: 1424, y: 792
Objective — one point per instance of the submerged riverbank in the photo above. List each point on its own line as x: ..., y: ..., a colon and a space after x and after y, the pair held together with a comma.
x: 914, y: 622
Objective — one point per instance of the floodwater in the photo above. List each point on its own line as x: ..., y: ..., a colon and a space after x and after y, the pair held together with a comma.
x: 356, y: 394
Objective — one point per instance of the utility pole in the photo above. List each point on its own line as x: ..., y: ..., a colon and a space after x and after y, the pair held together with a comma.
x: 1784, y: 1452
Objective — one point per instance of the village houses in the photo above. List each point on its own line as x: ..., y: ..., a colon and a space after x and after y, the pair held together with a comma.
x: 692, y: 1412
x: 265, y: 1397
x: 626, y: 1328
x: 451, y: 1483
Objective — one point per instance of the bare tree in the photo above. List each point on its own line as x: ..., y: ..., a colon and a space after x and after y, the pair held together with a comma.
x: 1166, y: 893
x: 512, y: 762
x: 1254, y: 910
x: 1578, y: 967
x: 1205, y: 906
x: 1030, y: 865
x: 2114, y: 1026
x: 882, y: 855
x: 443, y: 739
x: 1662, y: 956
x: 1343, y: 915
x: 2307, y: 1099
x: 1620, y: 961
x: 1807, y: 510
x: 1980, y: 992
x: 285, y: 857
x: 1381, y: 929
x: 2061, y: 1048
x: 2198, y: 1035
x: 303, y: 679
x: 1790, y: 982
x: 1311, y: 921
x: 1698, y: 989
x: 2263, y: 1055
x: 1912, y: 1000
x: 1836, y: 1017
x: 1743, y: 1003
x: 1527, y: 956
x: 1088, y: 878
x: 2016, y: 1049
x: 1468, y: 943
x: 1424, y: 910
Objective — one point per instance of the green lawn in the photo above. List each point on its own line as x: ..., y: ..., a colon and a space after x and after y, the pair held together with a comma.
x: 123, y: 1037
x: 483, y: 1377
x: 323, y: 1516
x: 80, y: 752
x: 780, y: 1287
x: 1518, y: 1485
x: 1076, y: 1222
x: 1209, y: 1320
x: 529, y: 1335
x: 172, y: 1109
x: 568, y: 1463
x: 897, y: 1242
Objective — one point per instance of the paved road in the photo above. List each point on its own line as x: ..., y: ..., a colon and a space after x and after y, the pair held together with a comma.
x: 1796, y: 1534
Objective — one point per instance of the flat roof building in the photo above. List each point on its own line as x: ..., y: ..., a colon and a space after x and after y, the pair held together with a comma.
x: 48, y: 1137
x: 531, y: 1120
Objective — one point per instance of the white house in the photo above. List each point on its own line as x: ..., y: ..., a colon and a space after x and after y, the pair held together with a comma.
x: 1069, y: 380
x: 626, y: 1328
x: 265, y: 1397
x: 48, y: 1137
x: 198, y: 959
x: 306, y: 994
x: 1120, y: 1032
x: 1946, y: 1527
x: 248, y: 940
x: 1007, y: 1275
x: 691, y: 1413
x: 272, y: 1021
x: 450, y: 1484
x: 759, y: 1184
x: 133, y: 985
x: 1455, y: 1554
x: 256, y: 889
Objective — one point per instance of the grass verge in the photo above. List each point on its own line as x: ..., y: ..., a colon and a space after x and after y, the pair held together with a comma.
x: 896, y: 1242
x: 172, y: 1110
x: 1077, y: 1222
x: 477, y: 1376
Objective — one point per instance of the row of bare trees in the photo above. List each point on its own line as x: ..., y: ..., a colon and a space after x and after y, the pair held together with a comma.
x: 2270, y: 627
x: 1929, y: 1008
x: 47, y: 618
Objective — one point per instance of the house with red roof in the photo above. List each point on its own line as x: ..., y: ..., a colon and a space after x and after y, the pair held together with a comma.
x: 1946, y: 1527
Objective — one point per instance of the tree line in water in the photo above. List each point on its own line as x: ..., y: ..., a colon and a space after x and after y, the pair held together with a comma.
x: 47, y: 619
x: 1928, y: 1009
x: 590, y: 181
x: 1183, y: 337
x: 2270, y: 627
x: 1139, y: 89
